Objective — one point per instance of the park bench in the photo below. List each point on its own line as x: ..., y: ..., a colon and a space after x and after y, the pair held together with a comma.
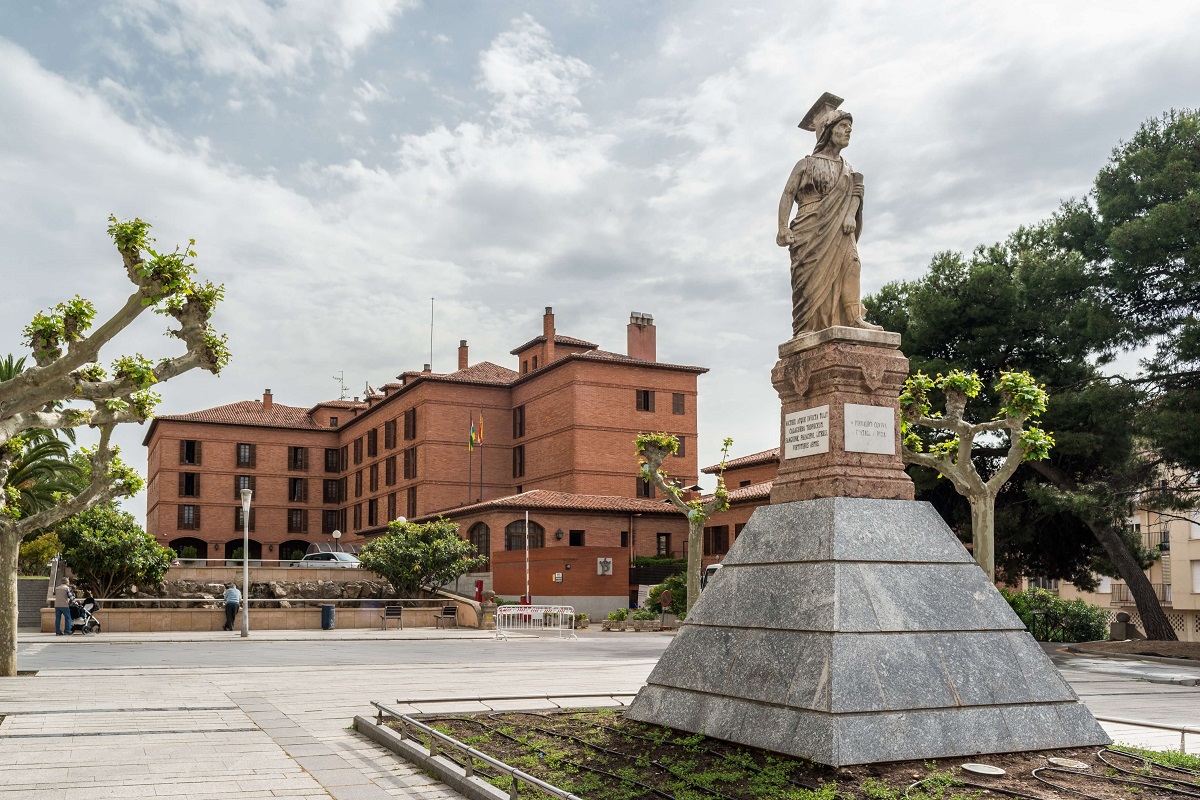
x: 448, y: 613
x: 392, y: 612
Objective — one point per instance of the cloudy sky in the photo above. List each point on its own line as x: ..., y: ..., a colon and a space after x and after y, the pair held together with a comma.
x: 340, y: 162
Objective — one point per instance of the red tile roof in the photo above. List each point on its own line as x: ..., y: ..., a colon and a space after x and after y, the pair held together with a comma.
x: 544, y: 500
x: 754, y: 459
x: 339, y: 404
x: 747, y: 494
x: 604, y: 355
x: 251, y: 412
x: 569, y: 341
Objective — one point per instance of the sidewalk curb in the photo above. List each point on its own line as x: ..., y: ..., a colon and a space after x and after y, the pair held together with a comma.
x: 1176, y: 662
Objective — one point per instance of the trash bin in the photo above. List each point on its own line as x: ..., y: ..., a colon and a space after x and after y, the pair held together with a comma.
x: 328, y: 618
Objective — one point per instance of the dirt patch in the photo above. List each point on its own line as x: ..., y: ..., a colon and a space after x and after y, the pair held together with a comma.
x: 599, y: 755
x: 1188, y: 650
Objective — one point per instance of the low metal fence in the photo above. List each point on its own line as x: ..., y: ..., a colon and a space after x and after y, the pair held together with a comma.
x: 1183, y: 730
x: 511, y: 619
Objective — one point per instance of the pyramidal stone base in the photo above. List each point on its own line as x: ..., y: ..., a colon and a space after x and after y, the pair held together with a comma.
x: 857, y: 631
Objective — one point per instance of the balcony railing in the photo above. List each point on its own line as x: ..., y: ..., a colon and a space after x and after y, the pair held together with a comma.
x: 1156, y: 539
x: 1122, y: 597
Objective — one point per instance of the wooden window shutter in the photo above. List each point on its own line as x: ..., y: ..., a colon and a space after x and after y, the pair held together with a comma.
x: 253, y: 453
x: 179, y: 517
x: 196, y: 518
x: 196, y: 484
x: 237, y: 489
x: 182, y: 451
x: 253, y: 481
x: 182, y: 478
x: 304, y: 519
x: 198, y: 443
x: 304, y: 459
x: 304, y: 497
x: 650, y: 397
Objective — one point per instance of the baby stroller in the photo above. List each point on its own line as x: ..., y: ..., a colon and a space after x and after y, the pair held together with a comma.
x: 82, y: 620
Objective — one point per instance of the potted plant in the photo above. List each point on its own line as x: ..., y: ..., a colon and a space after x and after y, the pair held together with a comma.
x: 581, y: 620
x: 616, y: 620
x: 645, y: 620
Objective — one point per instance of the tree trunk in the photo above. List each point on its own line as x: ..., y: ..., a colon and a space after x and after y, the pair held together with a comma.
x: 10, y: 546
x: 983, y: 532
x: 694, y: 559
x: 1149, y: 609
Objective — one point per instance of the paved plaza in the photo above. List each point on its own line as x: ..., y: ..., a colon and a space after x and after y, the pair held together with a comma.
x: 215, y: 716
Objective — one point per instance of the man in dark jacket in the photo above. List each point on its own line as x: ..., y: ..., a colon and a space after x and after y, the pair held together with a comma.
x: 63, y: 599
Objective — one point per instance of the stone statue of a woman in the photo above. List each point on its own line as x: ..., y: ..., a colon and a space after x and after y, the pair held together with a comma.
x: 823, y: 236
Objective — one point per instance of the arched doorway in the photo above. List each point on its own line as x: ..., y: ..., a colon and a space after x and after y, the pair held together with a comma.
x: 292, y: 550
x: 480, y: 537
x: 514, y: 535
x: 233, y: 550
x: 189, y: 548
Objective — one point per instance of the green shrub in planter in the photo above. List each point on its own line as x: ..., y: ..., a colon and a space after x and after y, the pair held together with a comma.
x: 620, y: 615
x: 644, y: 615
x: 188, y: 552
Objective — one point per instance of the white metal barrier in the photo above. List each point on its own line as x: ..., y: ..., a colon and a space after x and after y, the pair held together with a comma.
x: 560, y: 619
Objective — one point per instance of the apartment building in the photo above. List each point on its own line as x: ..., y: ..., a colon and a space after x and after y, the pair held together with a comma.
x: 561, y: 423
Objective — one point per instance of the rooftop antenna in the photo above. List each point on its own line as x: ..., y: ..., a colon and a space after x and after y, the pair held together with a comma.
x: 431, y: 334
x: 341, y: 379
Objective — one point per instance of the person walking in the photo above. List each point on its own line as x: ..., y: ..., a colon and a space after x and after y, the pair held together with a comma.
x: 63, y: 599
x: 233, y: 601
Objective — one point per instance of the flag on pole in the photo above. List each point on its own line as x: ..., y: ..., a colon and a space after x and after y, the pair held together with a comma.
x: 471, y: 441
x: 479, y: 435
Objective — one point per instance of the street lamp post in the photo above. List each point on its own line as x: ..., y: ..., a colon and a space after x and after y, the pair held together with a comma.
x: 246, y: 494
x: 337, y: 543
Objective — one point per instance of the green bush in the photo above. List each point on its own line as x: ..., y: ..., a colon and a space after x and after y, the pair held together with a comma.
x: 659, y: 561
x: 109, y: 552
x: 36, y: 554
x: 620, y: 615
x: 188, y: 552
x: 644, y: 614
x: 678, y: 586
x: 296, y: 554
x: 1051, y: 619
x: 412, y: 555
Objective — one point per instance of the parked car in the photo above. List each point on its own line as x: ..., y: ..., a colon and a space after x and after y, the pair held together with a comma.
x: 328, y: 560
x: 707, y: 575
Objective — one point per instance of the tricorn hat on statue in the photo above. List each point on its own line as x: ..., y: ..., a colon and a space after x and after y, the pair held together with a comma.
x: 823, y: 115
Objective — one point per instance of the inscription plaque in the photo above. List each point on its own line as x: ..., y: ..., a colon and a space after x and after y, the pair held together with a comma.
x: 870, y: 429
x: 806, y: 432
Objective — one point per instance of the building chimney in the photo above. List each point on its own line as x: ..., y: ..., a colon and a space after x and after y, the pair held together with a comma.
x: 641, y: 337
x: 462, y: 354
x: 426, y: 368
x: 548, y: 332
x: 267, y: 400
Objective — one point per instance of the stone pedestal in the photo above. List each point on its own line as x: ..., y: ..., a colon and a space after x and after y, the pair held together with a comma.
x: 840, y: 425
x: 851, y: 631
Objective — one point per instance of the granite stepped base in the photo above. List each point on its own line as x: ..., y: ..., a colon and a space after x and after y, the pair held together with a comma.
x: 852, y: 631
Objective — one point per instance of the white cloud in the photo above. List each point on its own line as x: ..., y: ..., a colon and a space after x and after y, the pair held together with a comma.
x: 256, y: 39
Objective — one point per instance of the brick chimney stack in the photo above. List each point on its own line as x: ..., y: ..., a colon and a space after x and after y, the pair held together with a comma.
x: 424, y: 368
x: 462, y: 354
x: 548, y: 332
x: 642, y: 337
x: 267, y: 400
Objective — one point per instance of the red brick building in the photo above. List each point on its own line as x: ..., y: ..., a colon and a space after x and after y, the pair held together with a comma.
x: 562, y: 424
x: 749, y: 480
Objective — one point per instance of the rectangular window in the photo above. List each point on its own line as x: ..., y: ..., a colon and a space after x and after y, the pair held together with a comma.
x: 358, y: 517
x: 372, y: 442
x: 329, y: 521
x: 391, y: 507
x: 242, y: 482
x: 358, y: 484
x: 245, y: 455
x: 518, y: 422
x: 524, y: 367
x: 737, y: 530
x: 411, y: 502
x: 374, y: 478
x: 358, y: 448
x: 331, y: 459
x: 389, y: 434
x: 743, y: 483
x: 410, y: 463
x: 237, y: 519
x: 189, y: 451
x: 372, y: 513
x: 533, y: 363
x: 389, y: 471
x: 663, y: 545
x: 297, y: 520
x: 677, y: 403
x: 645, y: 488
x: 298, y: 459
x: 297, y: 490
x: 188, y: 518
x: 189, y: 484
x: 716, y: 540
x: 644, y: 399
x: 681, y: 451
x: 624, y: 538
x: 330, y: 493
x: 519, y: 461
x: 576, y: 539
x: 333, y: 422
x: 410, y: 424
x: 343, y: 458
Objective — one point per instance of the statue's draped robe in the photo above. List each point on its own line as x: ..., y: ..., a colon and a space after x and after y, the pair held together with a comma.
x: 825, y: 266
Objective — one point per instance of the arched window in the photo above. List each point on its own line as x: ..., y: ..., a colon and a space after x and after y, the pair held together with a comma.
x: 514, y: 535
x: 480, y: 537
